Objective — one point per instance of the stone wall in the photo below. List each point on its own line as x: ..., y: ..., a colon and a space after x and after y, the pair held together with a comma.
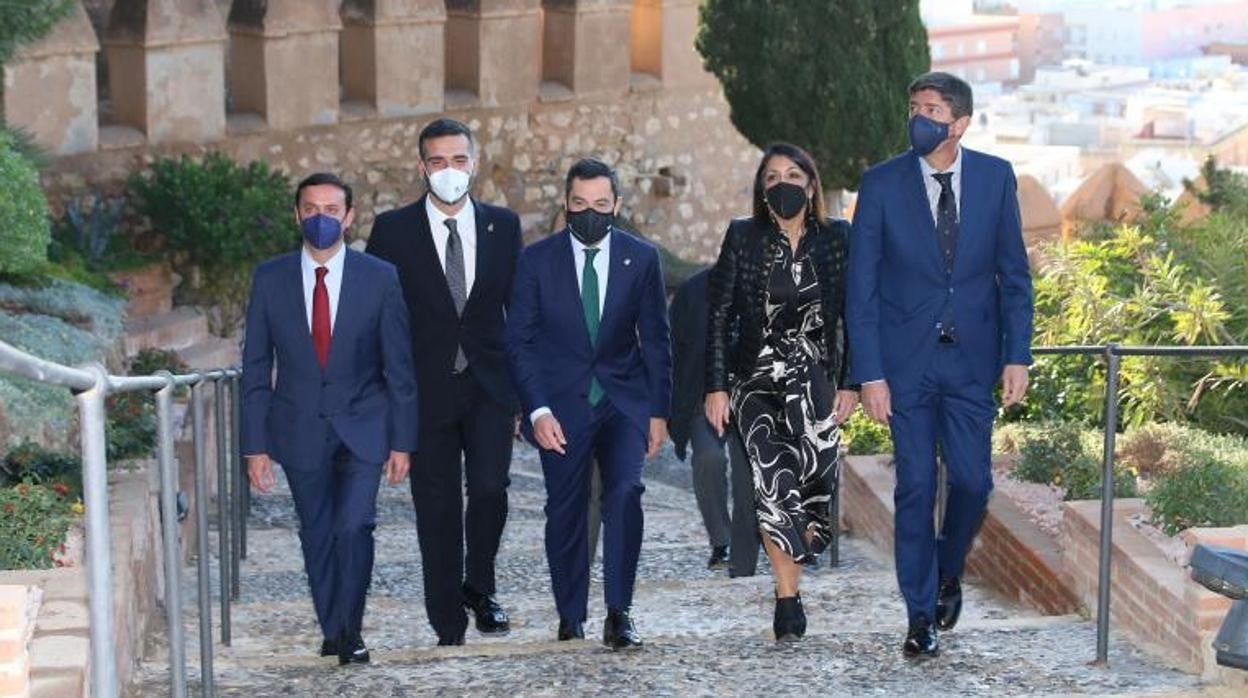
x: 686, y: 171
x: 346, y: 85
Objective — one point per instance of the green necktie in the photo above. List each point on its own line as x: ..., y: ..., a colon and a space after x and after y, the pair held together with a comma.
x: 589, y: 303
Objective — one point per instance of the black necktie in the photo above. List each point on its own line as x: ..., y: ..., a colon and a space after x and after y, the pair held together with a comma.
x: 947, y: 232
x: 455, y: 281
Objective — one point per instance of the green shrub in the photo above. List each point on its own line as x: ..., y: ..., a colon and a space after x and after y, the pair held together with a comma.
x: 149, y: 361
x: 217, y: 220
x: 130, y: 426
x: 1066, y: 455
x: 27, y: 21
x: 33, y: 521
x: 25, y: 232
x: 32, y: 463
x: 865, y: 437
x: 1210, y: 492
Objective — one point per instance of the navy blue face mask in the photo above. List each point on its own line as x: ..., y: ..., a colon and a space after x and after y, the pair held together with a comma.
x: 321, y: 231
x: 926, y: 134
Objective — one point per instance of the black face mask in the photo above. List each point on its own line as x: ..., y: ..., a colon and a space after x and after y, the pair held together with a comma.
x: 786, y: 199
x: 589, y: 226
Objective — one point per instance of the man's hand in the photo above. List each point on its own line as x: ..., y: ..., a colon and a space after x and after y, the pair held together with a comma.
x: 549, y: 434
x: 658, y: 434
x: 397, y: 466
x: 260, y: 472
x: 1013, y: 384
x: 877, y: 402
x: 717, y: 410
x: 846, y: 401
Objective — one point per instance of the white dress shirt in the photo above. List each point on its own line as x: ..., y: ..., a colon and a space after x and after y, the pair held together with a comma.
x: 933, y: 187
x: 333, y: 282
x: 466, y: 226
x: 602, y: 263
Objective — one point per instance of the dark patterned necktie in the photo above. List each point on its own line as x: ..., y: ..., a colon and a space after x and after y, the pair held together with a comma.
x: 455, y: 281
x: 590, y: 305
x: 947, y: 232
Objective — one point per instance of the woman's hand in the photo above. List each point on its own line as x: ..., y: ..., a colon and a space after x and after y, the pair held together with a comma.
x: 717, y: 411
x: 846, y: 401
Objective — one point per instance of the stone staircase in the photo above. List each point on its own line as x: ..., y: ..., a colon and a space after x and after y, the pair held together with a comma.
x: 152, y: 322
x: 705, y: 634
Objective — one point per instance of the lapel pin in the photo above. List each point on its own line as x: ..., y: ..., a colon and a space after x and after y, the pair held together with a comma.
x: 489, y: 228
x: 627, y: 261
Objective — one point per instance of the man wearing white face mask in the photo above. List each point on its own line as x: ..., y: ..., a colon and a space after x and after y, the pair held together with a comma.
x: 455, y: 258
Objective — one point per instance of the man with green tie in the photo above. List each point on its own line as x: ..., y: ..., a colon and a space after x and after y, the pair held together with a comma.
x: 590, y: 351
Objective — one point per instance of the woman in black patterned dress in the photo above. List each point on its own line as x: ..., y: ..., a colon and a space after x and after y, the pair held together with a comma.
x: 776, y: 358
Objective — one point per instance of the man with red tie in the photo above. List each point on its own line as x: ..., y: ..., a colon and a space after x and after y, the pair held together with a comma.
x: 341, y: 407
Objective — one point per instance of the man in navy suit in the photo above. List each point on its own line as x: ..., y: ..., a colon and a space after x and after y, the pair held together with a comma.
x: 456, y: 257
x: 939, y: 310
x: 342, y: 408
x: 590, y: 352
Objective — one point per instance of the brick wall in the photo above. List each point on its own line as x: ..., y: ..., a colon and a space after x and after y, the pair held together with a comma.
x: 1152, y: 599
x: 1011, y: 554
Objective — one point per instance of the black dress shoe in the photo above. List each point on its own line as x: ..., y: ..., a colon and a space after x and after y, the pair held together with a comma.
x: 352, y: 651
x: 618, y: 632
x: 922, y: 640
x: 329, y: 648
x: 948, y: 603
x: 571, y: 630
x: 449, y: 641
x: 789, y: 621
x: 491, y: 618
x: 719, y: 558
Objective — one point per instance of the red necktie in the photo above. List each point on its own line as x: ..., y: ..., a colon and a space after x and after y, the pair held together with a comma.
x: 320, y: 317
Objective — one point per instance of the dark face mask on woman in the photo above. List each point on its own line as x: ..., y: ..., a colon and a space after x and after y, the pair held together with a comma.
x: 590, y: 226
x: 786, y: 199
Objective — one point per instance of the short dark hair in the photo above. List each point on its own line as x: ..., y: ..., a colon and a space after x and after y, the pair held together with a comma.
x: 444, y: 127
x: 804, y: 162
x: 319, y: 178
x: 953, y: 89
x: 592, y: 168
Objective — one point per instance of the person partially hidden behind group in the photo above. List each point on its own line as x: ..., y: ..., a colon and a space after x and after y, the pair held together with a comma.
x: 780, y: 279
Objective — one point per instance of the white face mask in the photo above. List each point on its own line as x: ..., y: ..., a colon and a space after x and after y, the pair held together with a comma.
x: 449, y: 184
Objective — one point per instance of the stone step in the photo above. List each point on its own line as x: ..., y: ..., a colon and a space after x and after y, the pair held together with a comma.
x: 177, y: 329
x: 211, y: 353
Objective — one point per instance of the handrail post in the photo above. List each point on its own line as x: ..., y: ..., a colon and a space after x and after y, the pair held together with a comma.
x: 169, y: 530
x: 1113, y: 359
x: 225, y: 558
x: 237, y: 481
x: 204, y: 586
x: 91, y: 416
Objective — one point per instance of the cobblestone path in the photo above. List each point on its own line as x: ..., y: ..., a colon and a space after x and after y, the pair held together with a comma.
x: 705, y: 634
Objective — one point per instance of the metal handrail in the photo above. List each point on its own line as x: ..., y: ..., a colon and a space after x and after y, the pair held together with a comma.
x: 91, y: 384
x: 1113, y: 354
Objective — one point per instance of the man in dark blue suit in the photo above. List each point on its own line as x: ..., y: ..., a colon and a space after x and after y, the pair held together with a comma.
x: 590, y: 353
x: 939, y: 309
x: 341, y: 407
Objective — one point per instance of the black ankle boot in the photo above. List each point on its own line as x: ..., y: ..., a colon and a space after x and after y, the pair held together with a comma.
x: 789, y: 624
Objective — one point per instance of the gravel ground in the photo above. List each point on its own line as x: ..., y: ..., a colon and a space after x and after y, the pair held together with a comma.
x: 705, y: 634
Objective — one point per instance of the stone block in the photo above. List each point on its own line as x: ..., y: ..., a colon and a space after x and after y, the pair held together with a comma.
x: 585, y: 44
x: 284, y: 61
x: 663, y: 32
x: 493, y: 50
x: 393, y: 55
x: 166, y: 68
x: 49, y: 87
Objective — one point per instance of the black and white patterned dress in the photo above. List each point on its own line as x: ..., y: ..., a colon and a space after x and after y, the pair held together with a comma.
x: 785, y: 412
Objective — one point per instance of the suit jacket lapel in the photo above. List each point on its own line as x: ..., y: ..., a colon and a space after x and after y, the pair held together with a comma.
x: 294, y: 284
x: 347, y: 314
x: 485, y: 247
x: 970, y: 210
x: 427, y: 256
x: 923, y: 211
x: 618, y: 280
x: 566, y: 276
